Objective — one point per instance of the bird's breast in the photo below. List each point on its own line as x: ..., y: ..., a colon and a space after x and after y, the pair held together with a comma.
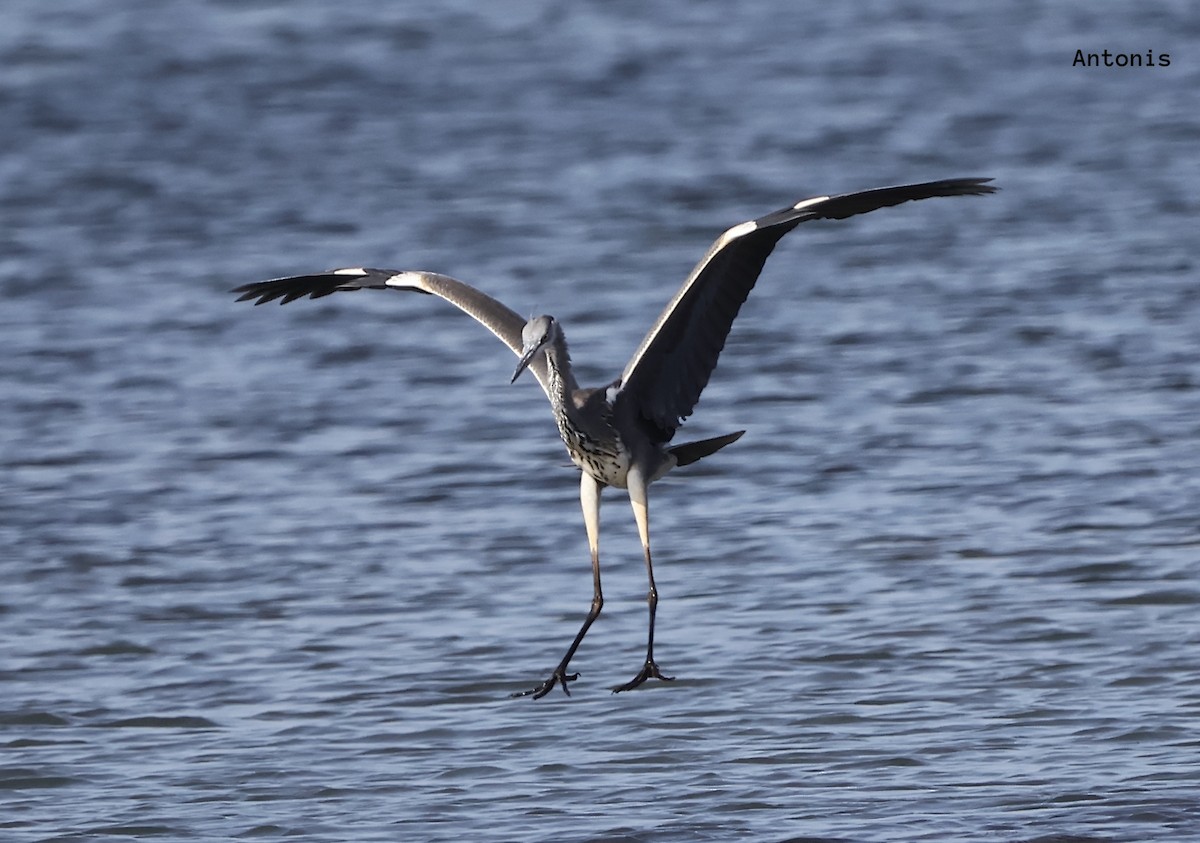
x: 596, y: 449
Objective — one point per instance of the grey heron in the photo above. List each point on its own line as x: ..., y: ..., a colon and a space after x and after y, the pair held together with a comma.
x: 619, y: 434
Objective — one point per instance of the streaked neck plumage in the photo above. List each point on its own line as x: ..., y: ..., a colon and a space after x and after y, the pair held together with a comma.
x: 562, y: 379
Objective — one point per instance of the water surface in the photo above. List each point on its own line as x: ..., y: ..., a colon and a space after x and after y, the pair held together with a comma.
x: 271, y: 573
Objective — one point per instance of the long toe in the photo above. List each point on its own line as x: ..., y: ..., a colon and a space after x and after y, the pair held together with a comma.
x: 558, y: 677
x: 649, y: 670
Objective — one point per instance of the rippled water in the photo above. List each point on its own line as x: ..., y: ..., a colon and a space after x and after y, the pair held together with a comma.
x: 271, y: 573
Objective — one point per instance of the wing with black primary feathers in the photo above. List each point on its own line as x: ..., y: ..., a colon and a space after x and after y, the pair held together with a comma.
x: 498, y: 318
x: 671, y: 367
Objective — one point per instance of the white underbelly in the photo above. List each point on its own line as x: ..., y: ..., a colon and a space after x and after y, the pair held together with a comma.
x: 609, y: 469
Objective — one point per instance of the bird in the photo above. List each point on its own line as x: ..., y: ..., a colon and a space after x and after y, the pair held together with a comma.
x: 620, y: 434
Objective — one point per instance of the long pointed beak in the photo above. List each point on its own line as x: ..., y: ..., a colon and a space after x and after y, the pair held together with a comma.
x: 523, y: 364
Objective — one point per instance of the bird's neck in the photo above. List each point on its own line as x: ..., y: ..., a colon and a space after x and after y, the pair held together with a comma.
x: 562, y: 379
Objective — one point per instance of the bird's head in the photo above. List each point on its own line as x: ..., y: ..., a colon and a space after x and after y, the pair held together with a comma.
x: 537, y: 333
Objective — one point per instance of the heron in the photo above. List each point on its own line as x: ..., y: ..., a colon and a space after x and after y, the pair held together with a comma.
x: 619, y: 434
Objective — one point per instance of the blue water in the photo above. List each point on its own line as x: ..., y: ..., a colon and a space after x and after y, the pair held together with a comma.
x: 273, y: 573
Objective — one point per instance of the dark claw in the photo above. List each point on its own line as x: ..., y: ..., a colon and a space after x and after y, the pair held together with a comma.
x: 557, y: 677
x: 649, y: 671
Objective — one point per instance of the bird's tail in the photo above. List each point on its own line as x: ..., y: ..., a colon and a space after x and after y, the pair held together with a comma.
x: 689, y: 452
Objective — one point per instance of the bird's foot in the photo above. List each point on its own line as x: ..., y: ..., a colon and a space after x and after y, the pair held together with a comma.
x: 649, y: 671
x: 559, y: 676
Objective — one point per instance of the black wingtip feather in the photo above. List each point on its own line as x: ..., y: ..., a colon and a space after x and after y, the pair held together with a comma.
x: 314, y: 286
x: 852, y: 204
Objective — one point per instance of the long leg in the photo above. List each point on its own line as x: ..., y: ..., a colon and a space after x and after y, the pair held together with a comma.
x: 589, y: 499
x: 636, y: 481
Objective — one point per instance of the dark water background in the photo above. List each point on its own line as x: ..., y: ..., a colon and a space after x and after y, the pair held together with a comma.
x: 273, y: 573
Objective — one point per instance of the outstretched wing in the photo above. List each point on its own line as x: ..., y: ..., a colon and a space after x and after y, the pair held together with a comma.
x: 671, y: 367
x: 487, y: 311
